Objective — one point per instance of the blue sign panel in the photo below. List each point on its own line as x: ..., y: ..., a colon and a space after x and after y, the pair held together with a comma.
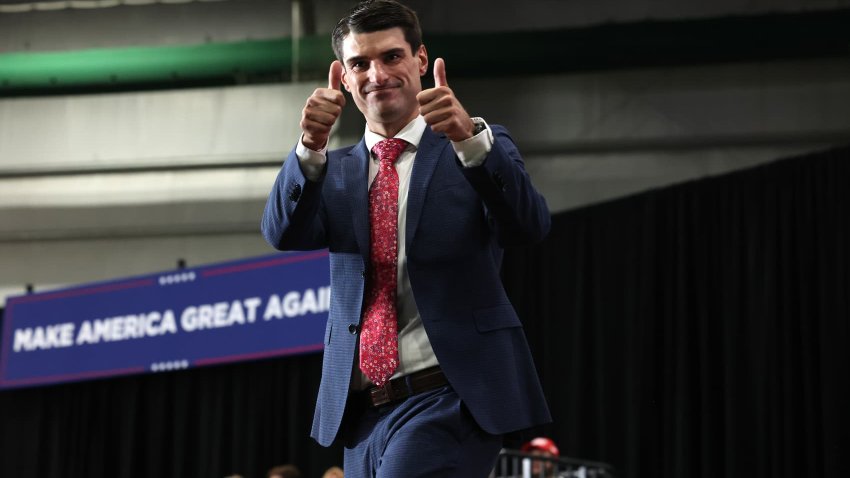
x: 264, y: 307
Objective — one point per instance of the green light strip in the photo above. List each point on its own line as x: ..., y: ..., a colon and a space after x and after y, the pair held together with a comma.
x: 158, y: 64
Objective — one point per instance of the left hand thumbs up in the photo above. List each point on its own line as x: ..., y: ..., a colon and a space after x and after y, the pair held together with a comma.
x: 442, y: 110
x: 440, y: 73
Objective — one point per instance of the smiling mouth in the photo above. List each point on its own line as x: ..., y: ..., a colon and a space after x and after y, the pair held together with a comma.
x: 378, y: 89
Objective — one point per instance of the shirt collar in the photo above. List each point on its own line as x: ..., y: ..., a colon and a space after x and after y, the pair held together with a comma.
x: 411, y: 133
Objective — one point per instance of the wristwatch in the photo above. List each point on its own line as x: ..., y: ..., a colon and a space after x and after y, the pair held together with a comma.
x: 479, y: 125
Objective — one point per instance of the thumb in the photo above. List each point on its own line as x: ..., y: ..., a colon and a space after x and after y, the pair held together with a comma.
x: 440, y: 73
x: 335, y: 75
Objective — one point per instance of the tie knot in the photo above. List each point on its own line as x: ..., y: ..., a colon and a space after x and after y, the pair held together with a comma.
x: 389, y: 149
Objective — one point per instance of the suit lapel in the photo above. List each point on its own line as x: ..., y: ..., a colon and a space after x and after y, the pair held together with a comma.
x: 427, y: 156
x: 355, y: 168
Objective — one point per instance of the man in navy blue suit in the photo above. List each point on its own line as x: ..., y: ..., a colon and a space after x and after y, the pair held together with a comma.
x: 426, y: 364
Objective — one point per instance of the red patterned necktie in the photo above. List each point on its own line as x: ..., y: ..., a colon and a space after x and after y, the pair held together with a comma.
x: 379, y: 332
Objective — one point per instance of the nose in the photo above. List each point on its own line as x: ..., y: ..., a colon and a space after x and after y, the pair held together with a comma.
x: 377, y: 73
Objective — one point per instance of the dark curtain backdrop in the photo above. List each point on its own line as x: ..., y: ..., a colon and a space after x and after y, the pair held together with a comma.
x: 206, y: 422
x: 695, y: 331
x: 700, y: 330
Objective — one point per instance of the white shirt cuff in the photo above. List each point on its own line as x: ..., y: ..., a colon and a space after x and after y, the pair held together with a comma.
x: 312, y: 162
x: 472, y: 151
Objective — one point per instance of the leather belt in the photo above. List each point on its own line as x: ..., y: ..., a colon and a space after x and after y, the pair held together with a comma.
x: 401, y: 388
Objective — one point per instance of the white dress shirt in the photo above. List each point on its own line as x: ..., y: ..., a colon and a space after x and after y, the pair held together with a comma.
x: 414, y: 348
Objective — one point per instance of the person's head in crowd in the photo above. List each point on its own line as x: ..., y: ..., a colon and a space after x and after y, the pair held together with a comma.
x: 333, y: 472
x: 284, y: 471
x: 545, y: 447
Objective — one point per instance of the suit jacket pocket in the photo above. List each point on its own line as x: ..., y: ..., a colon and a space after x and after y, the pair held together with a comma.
x: 494, y: 318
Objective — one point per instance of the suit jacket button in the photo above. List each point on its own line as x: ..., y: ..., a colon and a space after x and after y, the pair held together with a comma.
x: 352, y: 329
x: 295, y: 193
x: 363, y: 273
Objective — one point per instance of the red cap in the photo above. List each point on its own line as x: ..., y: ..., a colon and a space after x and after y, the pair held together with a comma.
x: 542, y: 444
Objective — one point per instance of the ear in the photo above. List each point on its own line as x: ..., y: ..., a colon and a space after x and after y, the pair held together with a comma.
x: 343, y: 79
x: 422, y: 55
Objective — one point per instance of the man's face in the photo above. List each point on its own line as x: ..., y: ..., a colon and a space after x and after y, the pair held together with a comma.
x: 383, y: 76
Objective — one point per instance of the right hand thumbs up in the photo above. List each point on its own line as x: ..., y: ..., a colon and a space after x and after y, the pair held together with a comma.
x: 322, y: 110
x: 335, y: 75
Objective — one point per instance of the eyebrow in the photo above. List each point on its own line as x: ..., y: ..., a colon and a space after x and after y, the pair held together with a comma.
x: 394, y: 50
x: 355, y: 59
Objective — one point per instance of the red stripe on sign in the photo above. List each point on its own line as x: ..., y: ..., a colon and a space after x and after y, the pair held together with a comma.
x: 273, y: 353
x: 260, y: 265
x: 71, y: 377
x: 85, y: 291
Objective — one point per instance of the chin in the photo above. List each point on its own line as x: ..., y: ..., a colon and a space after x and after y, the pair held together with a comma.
x: 386, y: 114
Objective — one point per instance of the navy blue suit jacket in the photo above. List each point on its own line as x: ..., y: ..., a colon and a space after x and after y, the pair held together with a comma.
x: 458, y: 220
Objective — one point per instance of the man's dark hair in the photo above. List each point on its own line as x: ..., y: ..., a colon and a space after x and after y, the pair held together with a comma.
x: 376, y: 15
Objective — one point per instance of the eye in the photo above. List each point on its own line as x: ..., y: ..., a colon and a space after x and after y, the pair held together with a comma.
x: 358, y: 65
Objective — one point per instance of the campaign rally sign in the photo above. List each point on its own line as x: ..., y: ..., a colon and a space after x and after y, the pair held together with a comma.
x: 264, y: 307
